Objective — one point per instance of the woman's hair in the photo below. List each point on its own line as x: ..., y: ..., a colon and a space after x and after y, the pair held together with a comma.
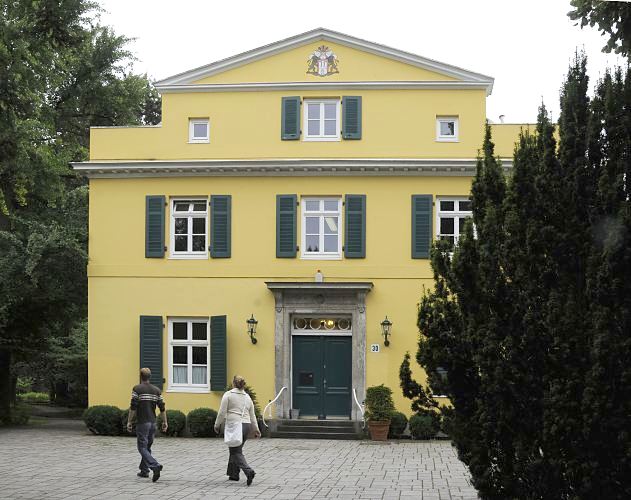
x: 238, y: 382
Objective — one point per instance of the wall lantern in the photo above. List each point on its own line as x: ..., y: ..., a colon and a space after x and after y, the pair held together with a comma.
x: 386, y: 325
x: 252, y: 328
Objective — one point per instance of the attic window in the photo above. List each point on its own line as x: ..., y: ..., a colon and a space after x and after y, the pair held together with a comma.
x: 447, y: 128
x: 198, y: 130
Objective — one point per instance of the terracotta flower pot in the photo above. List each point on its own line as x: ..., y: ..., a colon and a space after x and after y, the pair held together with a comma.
x: 379, y: 430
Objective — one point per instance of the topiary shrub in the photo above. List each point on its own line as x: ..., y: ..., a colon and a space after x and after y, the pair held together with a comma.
x: 201, y: 422
x: 176, y: 421
x: 379, y: 403
x: 398, y: 423
x: 124, y: 418
x: 103, y: 420
x: 424, y: 425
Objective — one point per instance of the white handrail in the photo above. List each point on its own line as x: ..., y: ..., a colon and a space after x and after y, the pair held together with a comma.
x: 270, y: 404
x: 361, y: 408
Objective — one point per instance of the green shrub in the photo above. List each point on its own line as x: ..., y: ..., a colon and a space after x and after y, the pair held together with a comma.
x: 398, y: 423
x: 447, y: 422
x: 20, y: 414
x: 177, y: 422
x: 379, y: 404
x: 124, y: 418
x: 424, y: 425
x: 103, y: 420
x: 24, y: 384
x: 34, y: 397
x: 201, y: 422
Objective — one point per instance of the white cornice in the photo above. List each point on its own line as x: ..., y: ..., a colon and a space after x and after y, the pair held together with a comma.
x: 188, y: 77
x: 296, y: 86
x: 361, y: 167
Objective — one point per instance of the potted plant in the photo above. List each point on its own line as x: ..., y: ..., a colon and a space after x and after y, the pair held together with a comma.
x: 379, y: 411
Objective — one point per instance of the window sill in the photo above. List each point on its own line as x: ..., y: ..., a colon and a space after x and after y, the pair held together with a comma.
x: 321, y: 139
x: 321, y: 257
x: 447, y: 140
x: 203, y: 256
x: 192, y: 390
x: 206, y: 141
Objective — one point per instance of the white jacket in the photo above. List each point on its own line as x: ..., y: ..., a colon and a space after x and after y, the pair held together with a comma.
x: 231, y: 408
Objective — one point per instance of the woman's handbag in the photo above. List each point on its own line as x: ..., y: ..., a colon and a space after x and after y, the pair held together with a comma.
x: 233, y: 432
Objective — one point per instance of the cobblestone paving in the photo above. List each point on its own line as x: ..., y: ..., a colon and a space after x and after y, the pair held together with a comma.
x: 64, y: 461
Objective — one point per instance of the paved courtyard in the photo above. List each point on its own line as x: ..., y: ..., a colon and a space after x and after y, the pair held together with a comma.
x: 62, y: 460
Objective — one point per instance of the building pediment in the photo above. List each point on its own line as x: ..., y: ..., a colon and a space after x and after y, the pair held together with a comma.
x: 322, y: 57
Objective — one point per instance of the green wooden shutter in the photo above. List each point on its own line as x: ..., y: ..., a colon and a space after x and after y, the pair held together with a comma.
x: 218, y: 353
x: 355, y: 226
x: 151, y: 347
x: 286, y: 225
x: 220, y: 225
x: 290, y: 119
x: 352, y: 117
x: 421, y: 225
x: 154, y: 226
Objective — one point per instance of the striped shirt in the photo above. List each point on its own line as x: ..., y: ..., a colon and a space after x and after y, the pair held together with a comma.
x: 144, y: 399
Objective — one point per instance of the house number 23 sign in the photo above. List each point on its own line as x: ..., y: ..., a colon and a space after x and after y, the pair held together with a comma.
x: 374, y: 347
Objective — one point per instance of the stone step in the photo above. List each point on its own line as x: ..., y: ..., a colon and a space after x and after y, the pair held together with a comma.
x: 314, y: 435
x: 334, y: 429
x: 348, y: 424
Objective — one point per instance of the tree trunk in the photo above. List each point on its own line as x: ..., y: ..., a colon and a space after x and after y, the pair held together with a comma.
x: 6, y: 392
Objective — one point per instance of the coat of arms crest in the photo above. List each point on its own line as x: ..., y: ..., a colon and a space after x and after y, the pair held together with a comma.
x: 322, y: 62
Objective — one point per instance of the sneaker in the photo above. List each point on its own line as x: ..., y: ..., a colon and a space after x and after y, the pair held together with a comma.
x: 251, y: 477
x: 143, y: 473
x: 156, y: 473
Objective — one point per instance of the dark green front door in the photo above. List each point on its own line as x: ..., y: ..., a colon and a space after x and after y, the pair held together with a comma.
x: 321, y: 378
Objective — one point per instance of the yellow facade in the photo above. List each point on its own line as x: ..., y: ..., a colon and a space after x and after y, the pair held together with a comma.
x: 397, y: 124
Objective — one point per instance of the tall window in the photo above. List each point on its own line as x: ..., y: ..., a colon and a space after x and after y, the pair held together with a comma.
x: 452, y: 214
x: 321, y: 228
x: 322, y: 120
x: 189, y: 354
x: 189, y: 228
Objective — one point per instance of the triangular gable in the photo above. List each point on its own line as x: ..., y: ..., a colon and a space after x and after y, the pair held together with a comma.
x: 293, y: 52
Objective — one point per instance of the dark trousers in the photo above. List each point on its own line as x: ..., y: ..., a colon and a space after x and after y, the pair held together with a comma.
x: 144, y: 437
x: 236, y: 461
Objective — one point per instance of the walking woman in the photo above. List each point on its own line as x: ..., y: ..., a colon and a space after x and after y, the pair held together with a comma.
x: 236, y: 406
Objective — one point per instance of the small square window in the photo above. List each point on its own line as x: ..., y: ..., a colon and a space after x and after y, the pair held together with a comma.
x: 322, y: 120
x: 199, y: 131
x: 447, y: 129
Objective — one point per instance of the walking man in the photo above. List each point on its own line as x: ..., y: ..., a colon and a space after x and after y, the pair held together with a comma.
x: 144, y: 399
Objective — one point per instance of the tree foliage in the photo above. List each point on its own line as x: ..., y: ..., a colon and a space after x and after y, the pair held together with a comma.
x: 531, y: 312
x: 60, y: 73
x: 613, y: 19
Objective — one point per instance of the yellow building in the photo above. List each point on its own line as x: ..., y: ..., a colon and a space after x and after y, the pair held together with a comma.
x: 299, y: 185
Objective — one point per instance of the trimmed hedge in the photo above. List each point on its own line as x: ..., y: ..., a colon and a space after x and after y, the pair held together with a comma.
x: 398, y: 423
x: 103, y: 420
x: 34, y: 397
x: 201, y: 422
x: 424, y: 425
x: 177, y: 422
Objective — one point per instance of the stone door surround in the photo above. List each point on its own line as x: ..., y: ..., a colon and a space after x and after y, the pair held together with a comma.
x: 327, y: 298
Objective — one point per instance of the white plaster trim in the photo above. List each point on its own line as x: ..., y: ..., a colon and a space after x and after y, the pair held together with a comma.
x: 313, y: 36
x: 464, y: 167
x: 308, y: 285
x: 296, y: 86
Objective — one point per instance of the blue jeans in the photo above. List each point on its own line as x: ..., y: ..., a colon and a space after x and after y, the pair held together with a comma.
x: 144, y: 436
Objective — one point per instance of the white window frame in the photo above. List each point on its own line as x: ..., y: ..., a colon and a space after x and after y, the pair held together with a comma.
x: 194, y: 388
x: 191, y: 131
x: 456, y: 214
x: 188, y: 254
x: 447, y: 138
x: 337, y: 255
x: 305, y: 119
